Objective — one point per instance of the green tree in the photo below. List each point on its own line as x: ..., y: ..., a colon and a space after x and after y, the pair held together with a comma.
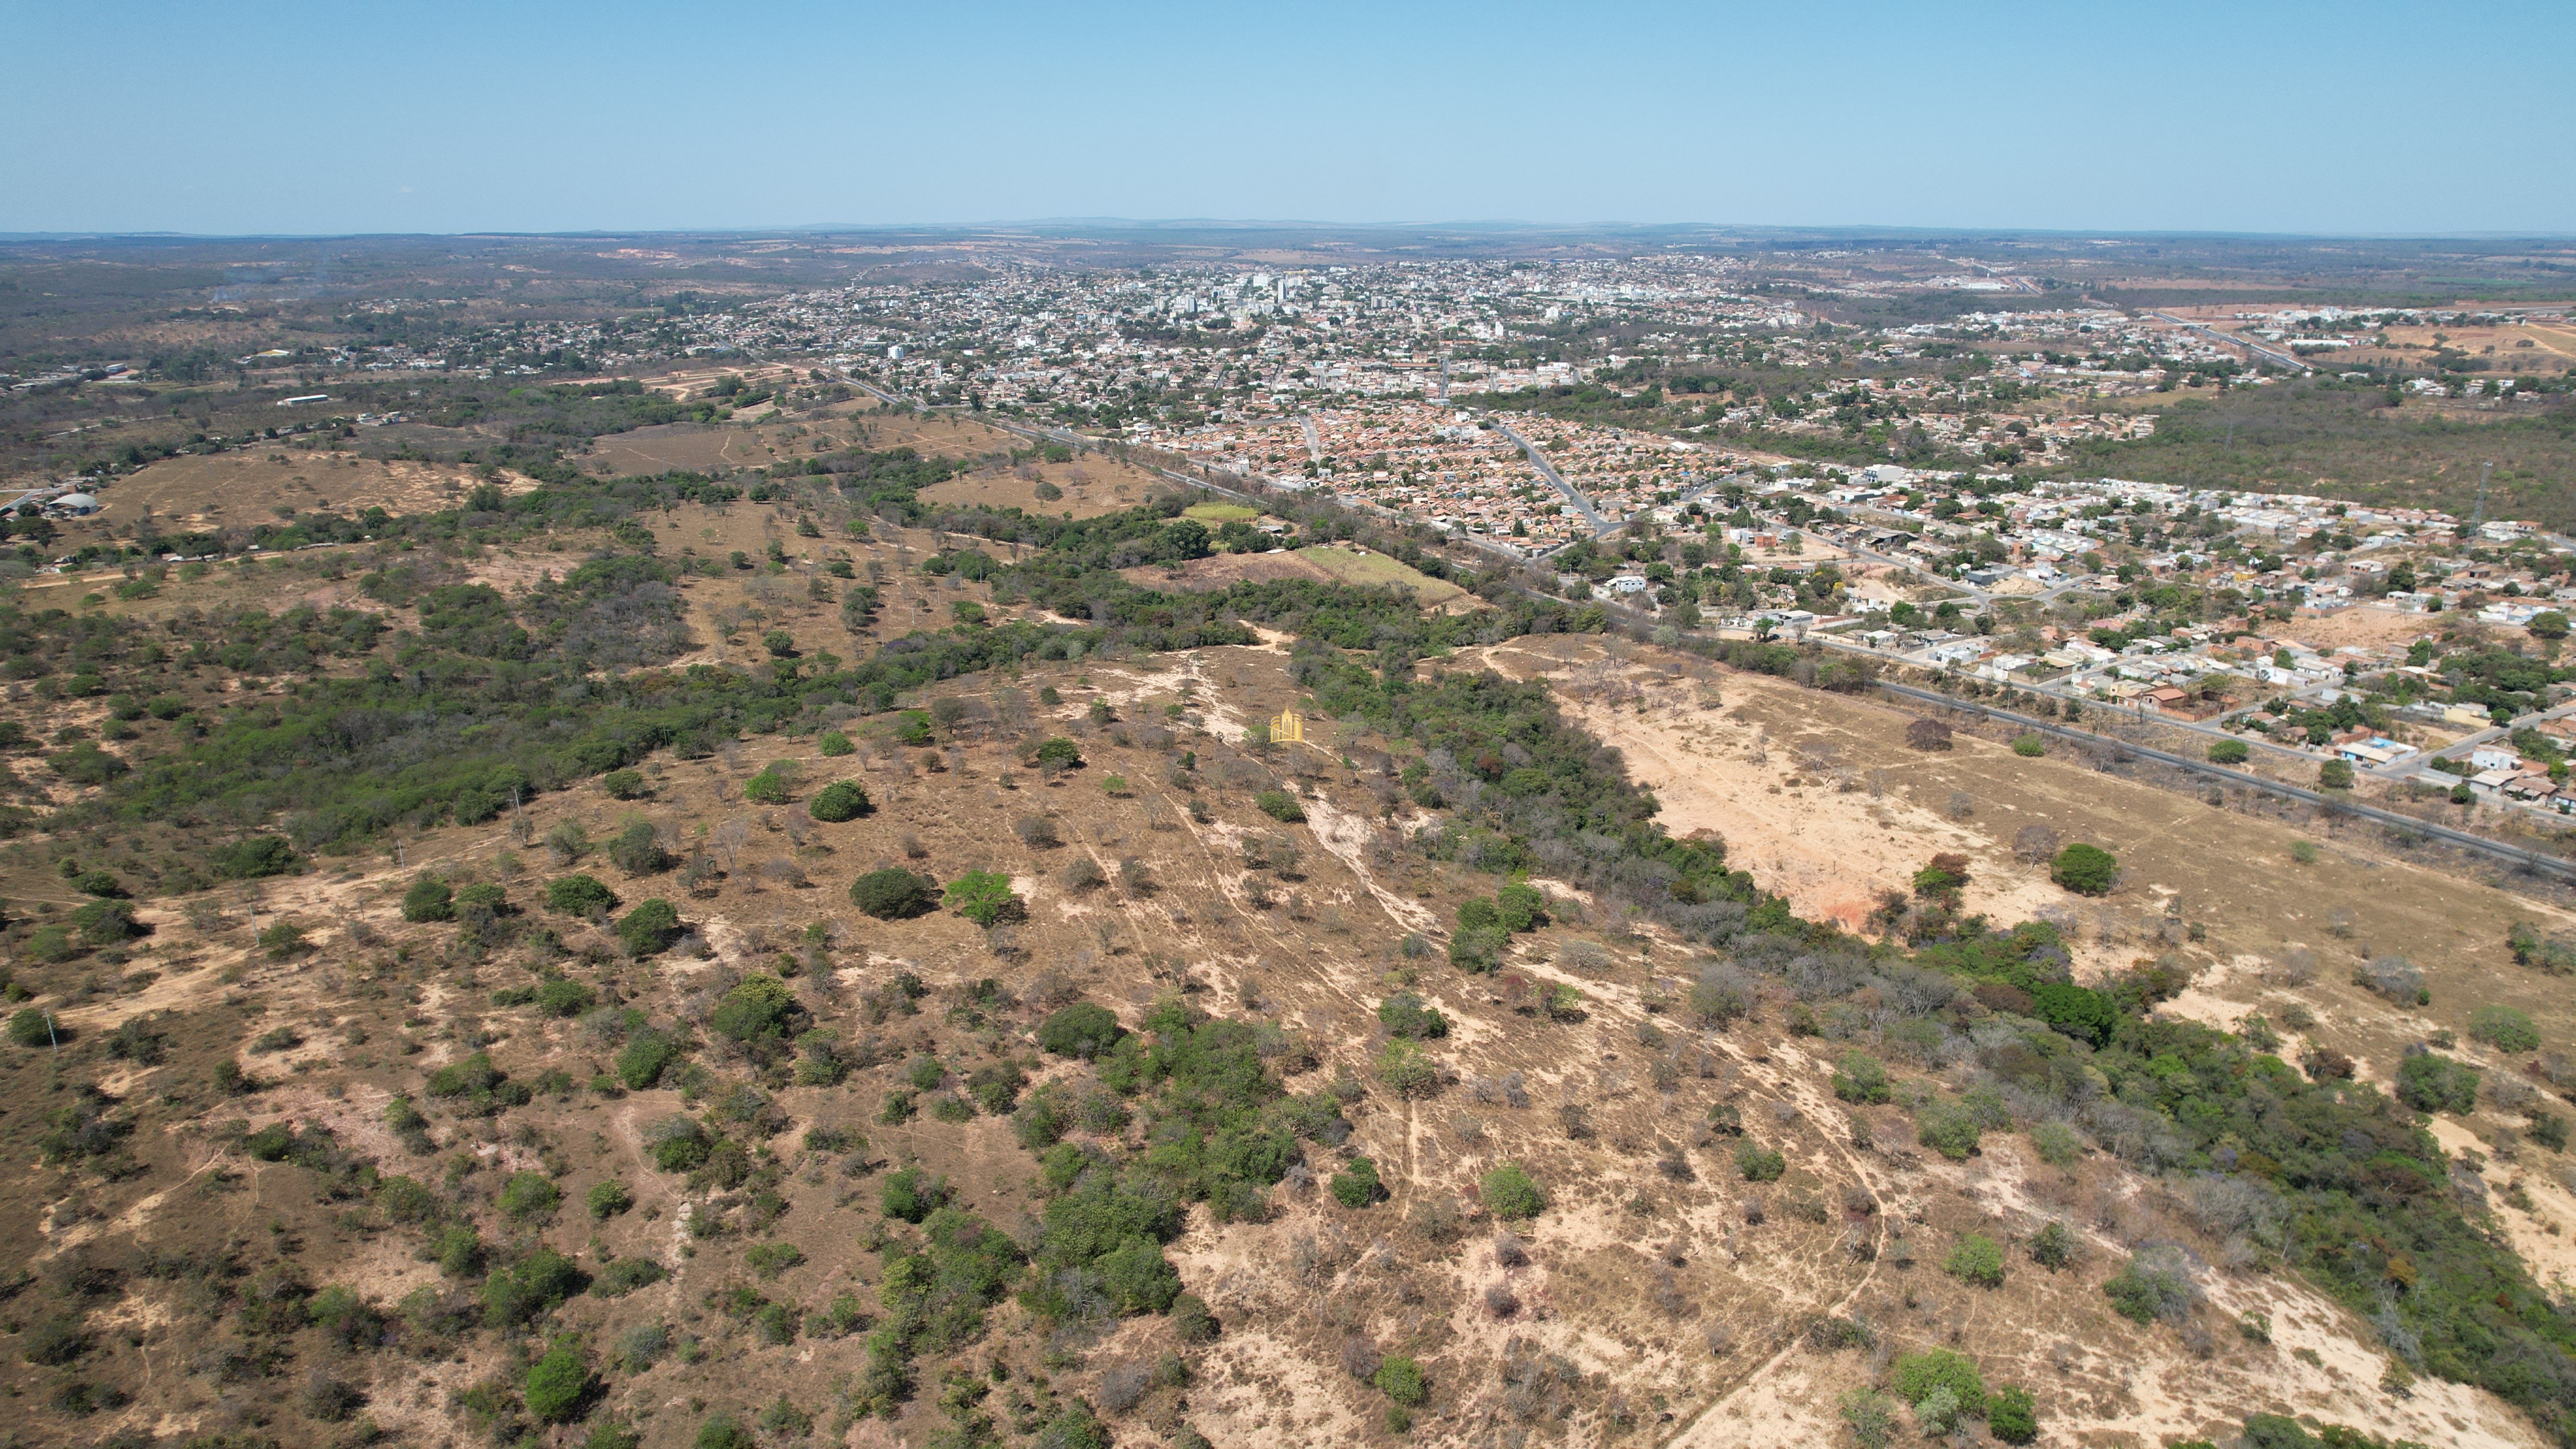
x: 1918, y: 1376
x: 2548, y: 624
x: 893, y: 893
x: 1509, y: 1192
x: 2087, y: 870
x: 2011, y: 1416
x: 579, y: 895
x: 429, y: 899
x: 1756, y: 1163
x: 529, y: 1195
x: 759, y: 1008
x: 1356, y: 1186
x: 1084, y: 1029
x: 2506, y: 1028
x: 839, y: 801
x: 984, y: 897
x: 650, y: 928
x: 559, y: 1384
x: 1860, y: 1077
x: 2229, y: 752
x: 1976, y: 1259
x: 1400, y: 1378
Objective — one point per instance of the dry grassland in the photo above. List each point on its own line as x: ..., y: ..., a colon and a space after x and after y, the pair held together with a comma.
x: 1646, y: 1280
x: 242, y: 489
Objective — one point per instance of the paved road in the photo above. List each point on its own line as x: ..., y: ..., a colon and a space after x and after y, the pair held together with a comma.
x: 1547, y: 470
x: 2271, y: 355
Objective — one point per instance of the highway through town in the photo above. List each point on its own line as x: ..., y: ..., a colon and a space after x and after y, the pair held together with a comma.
x: 2271, y: 355
x: 1547, y: 470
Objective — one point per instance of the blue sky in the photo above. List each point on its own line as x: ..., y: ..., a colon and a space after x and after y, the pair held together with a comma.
x: 2284, y: 117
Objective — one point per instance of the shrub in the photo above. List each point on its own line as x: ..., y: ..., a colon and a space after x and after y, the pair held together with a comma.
x: 1509, y: 1192
x: 838, y: 801
x: 2030, y: 747
x: 1137, y: 1277
x: 893, y: 893
x: 2229, y: 752
x: 1084, y: 1029
x: 1075, y: 1428
x: 637, y: 850
x: 1756, y: 1163
x: 769, y: 787
x: 623, y: 785
x: 759, y: 1008
x: 1279, y: 805
x: 2504, y: 1028
x: 678, y: 1143
x: 2335, y: 775
x: 1403, y: 1067
x: 1721, y: 995
x: 1949, y: 1130
x: 607, y: 1199
x: 29, y: 1027
x: 1860, y: 1077
x: 1404, y: 1015
x: 2078, y: 1011
x: 2010, y: 1415
x: 984, y: 897
x: 1191, y: 1319
x: 2152, y: 1285
x: 529, y: 1195
x: 2052, y: 1247
x: 2087, y: 870
x: 2394, y: 977
x: 56, y: 1342
x: 253, y: 857
x: 579, y: 895
x: 1918, y: 1376
x: 2431, y: 1083
x: 1872, y: 1422
x: 646, y: 1055
x: 559, y: 1385
x: 1519, y: 907
x: 834, y: 744
x: 1976, y: 1259
x: 1357, y: 1185
x: 912, y: 1194
x: 1057, y: 751
x: 1928, y: 734
x: 1400, y: 1379
x: 514, y: 1296
x: 105, y: 923
x: 649, y: 928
